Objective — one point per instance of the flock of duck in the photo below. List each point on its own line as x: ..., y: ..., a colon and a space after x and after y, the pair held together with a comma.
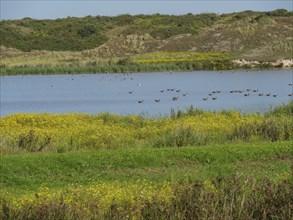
x: 174, y: 98
x: 213, y: 95
x: 245, y: 92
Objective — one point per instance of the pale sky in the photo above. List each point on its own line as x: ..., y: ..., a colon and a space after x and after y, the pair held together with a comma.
x: 43, y: 9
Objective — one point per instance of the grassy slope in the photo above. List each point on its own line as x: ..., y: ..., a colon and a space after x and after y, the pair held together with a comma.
x: 121, y: 44
x: 248, y: 34
x: 260, y: 160
x: 76, y: 34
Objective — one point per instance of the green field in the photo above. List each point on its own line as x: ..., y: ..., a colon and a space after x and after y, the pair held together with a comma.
x: 218, y: 165
x: 136, y: 183
x: 56, y: 170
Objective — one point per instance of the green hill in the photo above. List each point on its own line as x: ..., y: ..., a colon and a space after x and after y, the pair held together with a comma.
x: 146, y: 43
x: 76, y: 34
x: 248, y: 33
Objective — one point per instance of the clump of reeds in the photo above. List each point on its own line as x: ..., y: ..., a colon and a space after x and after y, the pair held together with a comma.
x: 269, y: 129
x: 179, y: 137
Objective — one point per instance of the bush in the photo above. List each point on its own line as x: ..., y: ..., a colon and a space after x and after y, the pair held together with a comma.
x: 278, y: 13
x: 87, y: 31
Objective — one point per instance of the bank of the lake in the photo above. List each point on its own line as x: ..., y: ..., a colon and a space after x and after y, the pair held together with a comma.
x: 45, y: 62
x: 135, y: 68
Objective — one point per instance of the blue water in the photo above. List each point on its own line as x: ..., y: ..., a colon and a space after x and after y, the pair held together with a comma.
x: 94, y: 93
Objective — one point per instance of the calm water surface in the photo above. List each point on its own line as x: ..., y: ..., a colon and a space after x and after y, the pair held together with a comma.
x: 119, y: 93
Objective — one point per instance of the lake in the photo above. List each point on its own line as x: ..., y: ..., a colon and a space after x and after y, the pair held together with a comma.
x: 121, y: 93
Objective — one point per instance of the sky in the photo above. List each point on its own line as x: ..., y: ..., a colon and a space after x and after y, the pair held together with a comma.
x: 43, y: 9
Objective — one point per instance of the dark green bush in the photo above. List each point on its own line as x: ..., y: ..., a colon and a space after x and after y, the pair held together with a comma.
x: 87, y: 31
x: 278, y: 13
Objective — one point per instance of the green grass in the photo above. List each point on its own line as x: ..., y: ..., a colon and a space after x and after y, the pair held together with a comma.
x: 30, y: 171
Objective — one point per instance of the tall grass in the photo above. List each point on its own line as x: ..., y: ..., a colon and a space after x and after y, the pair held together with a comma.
x: 190, y: 111
x: 285, y: 109
x: 270, y: 129
x: 234, y: 197
x: 115, y: 68
x: 193, y: 127
x: 179, y: 137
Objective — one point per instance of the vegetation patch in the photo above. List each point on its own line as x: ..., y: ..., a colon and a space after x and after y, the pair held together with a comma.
x: 232, y: 197
x: 190, y: 164
x: 169, y: 57
x: 70, y: 132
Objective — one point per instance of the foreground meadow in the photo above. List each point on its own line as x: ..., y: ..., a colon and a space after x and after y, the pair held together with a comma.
x: 191, y: 165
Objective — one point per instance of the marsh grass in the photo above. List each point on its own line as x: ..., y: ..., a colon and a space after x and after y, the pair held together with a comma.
x: 179, y: 137
x: 233, y: 197
x: 270, y: 129
x: 192, y: 127
x: 285, y: 109
x: 190, y: 111
x: 113, y: 68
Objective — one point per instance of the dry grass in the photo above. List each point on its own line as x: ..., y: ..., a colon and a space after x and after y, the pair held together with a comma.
x: 15, y: 58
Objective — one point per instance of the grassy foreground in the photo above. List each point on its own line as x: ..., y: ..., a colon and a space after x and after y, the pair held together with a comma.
x: 249, y: 181
x: 191, y: 165
x: 31, y: 171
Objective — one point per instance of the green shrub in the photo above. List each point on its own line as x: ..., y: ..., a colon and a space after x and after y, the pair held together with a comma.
x: 87, y: 31
x: 278, y: 13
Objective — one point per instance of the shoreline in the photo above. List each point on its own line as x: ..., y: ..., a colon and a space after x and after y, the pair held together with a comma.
x: 122, y: 69
x: 173, y: 113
